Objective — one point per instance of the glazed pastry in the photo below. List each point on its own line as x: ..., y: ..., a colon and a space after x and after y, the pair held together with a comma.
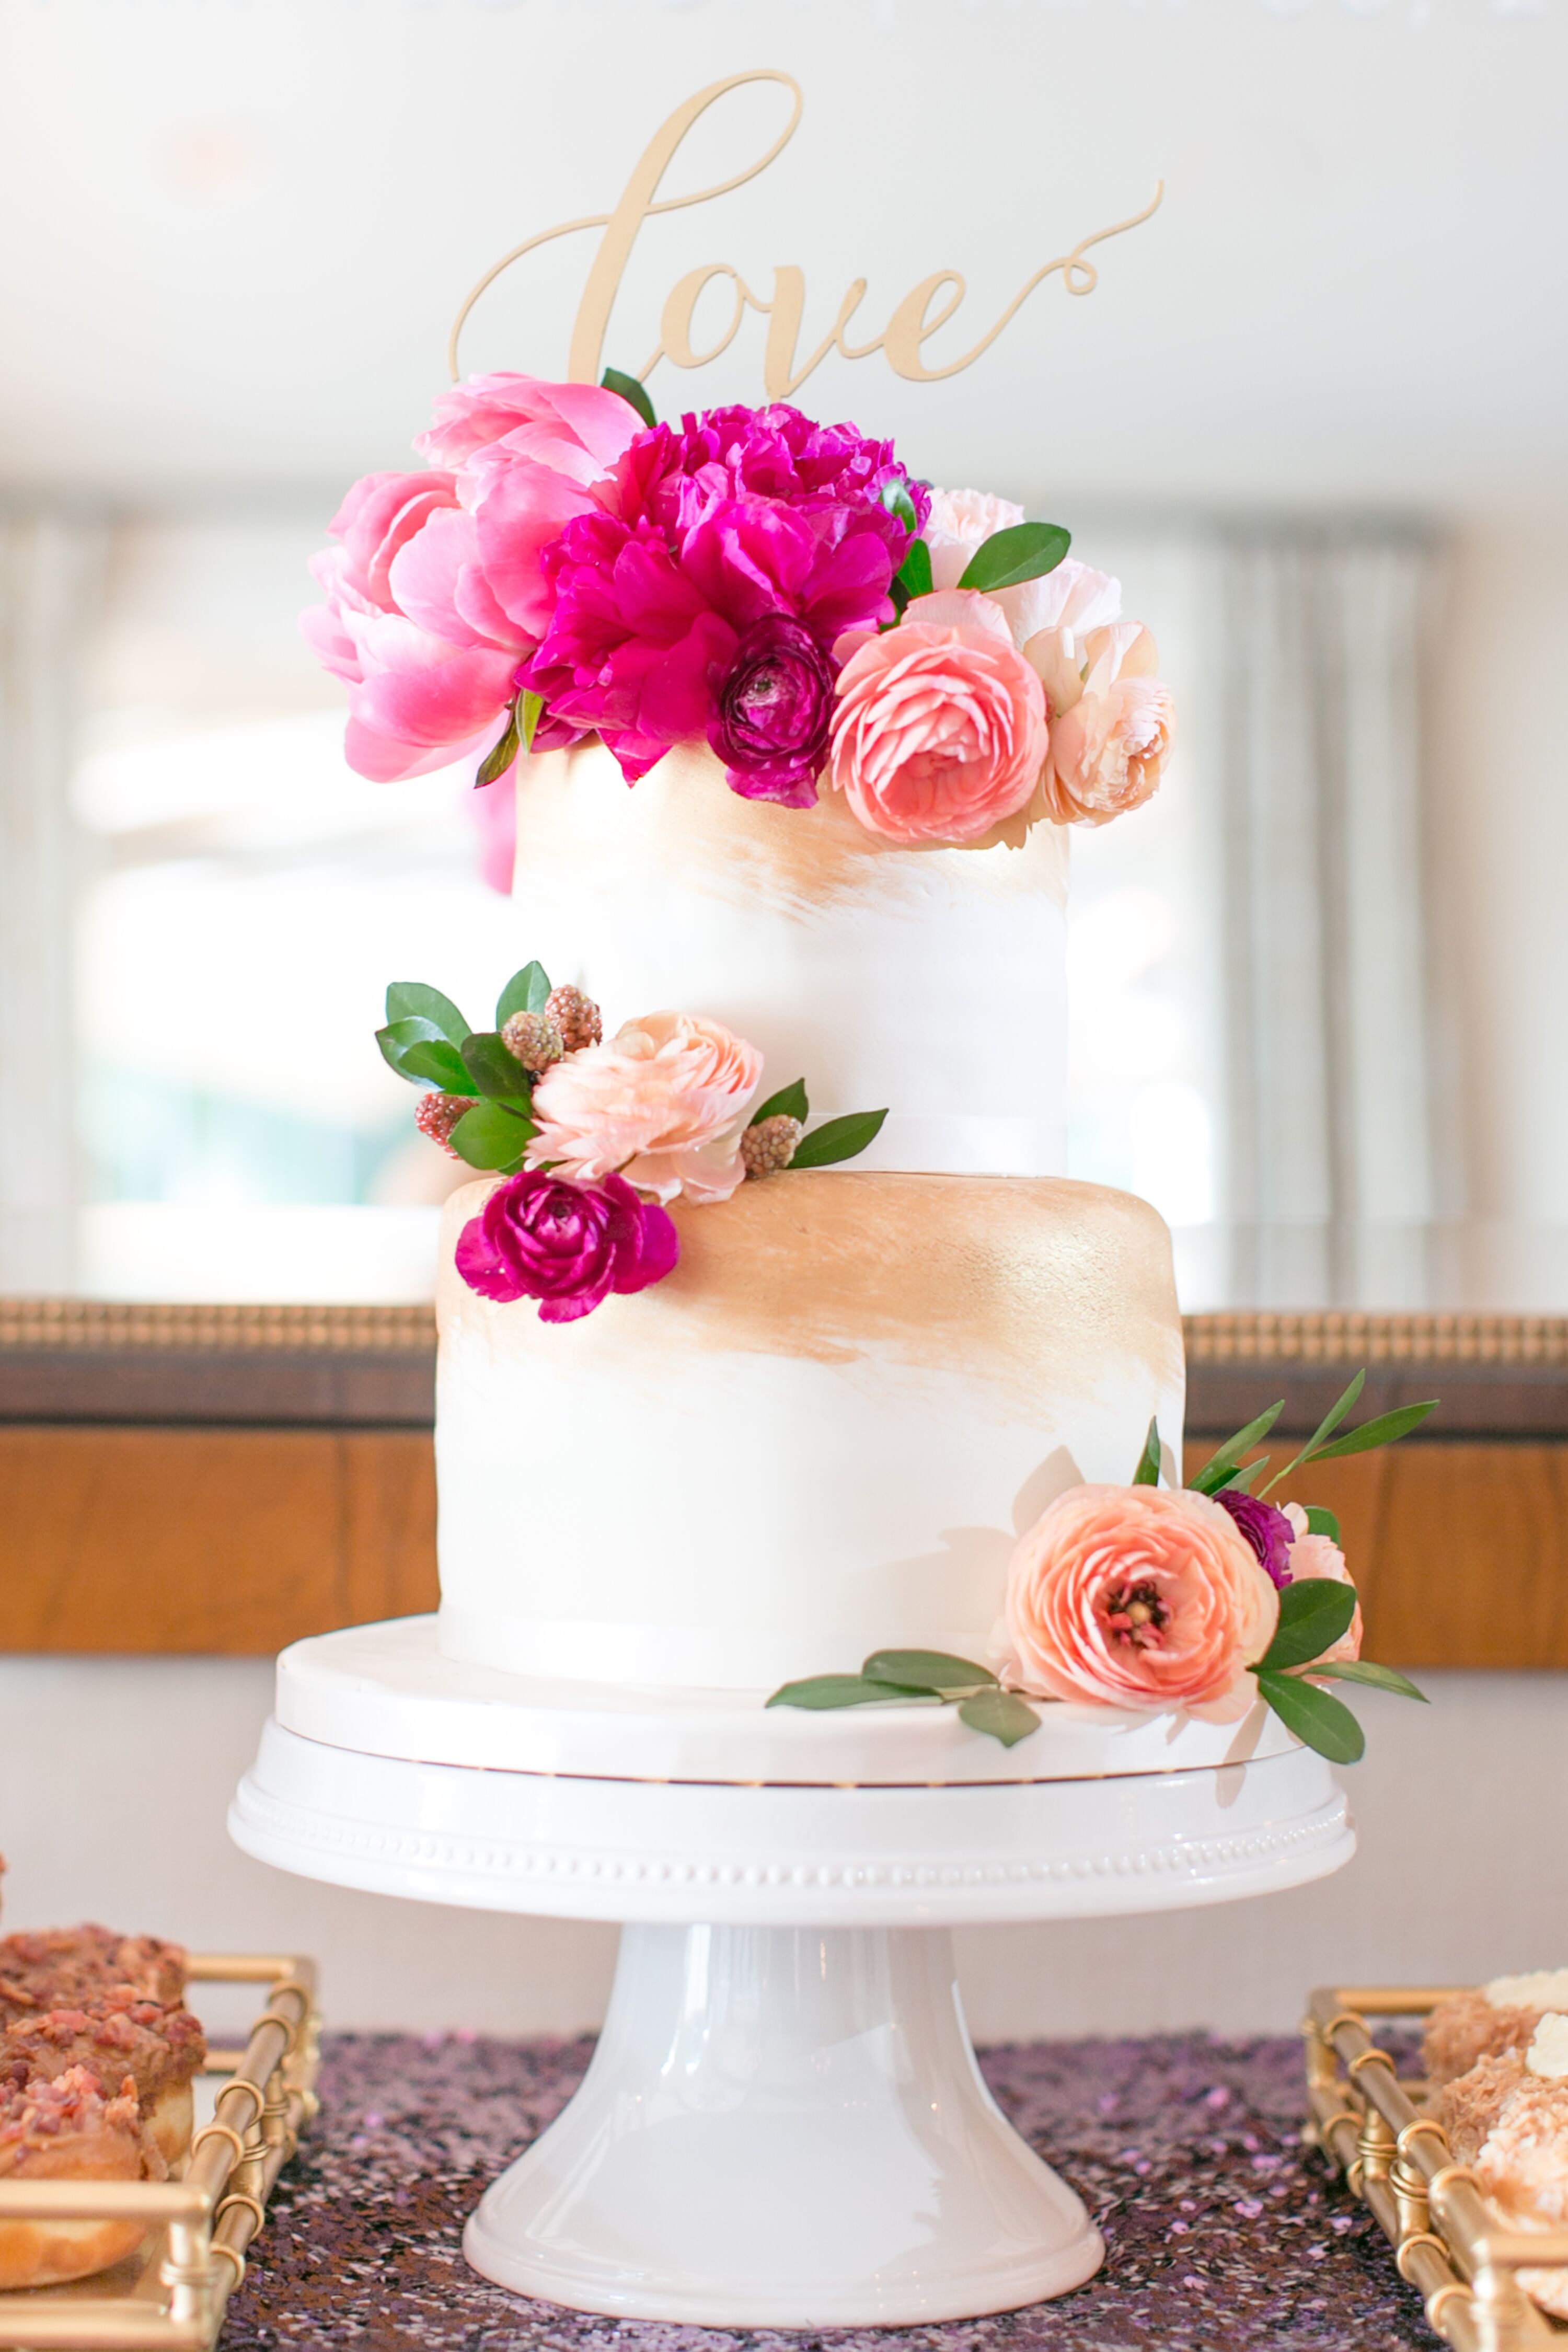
x: 117, y: 2037
x: 1500, y: 2017
x: 66, y: 2129
x: 1507, y: 2119
x: 69, y: 1965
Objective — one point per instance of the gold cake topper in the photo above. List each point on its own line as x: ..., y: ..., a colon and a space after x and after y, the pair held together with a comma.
x: 912, y: 323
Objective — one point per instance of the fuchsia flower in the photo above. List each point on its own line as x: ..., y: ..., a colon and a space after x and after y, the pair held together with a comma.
x: 1268, y: 1530
x: 568, y: 1246
x: 775, y: 709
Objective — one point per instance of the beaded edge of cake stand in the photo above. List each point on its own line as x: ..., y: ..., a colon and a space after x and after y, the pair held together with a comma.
x: 1372, y: 2124
x: 171, y: 2296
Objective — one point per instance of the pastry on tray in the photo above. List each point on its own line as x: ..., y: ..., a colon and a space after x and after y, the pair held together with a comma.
x: 66, y: 2129
x: 1507, y: 2118
x: 117, y: 2037
x: 1498, y: 2017
x: 63, y: 1965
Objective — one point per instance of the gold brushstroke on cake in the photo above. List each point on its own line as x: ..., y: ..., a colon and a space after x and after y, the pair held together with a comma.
x: 681, y: 819
x: 1037, y: 1286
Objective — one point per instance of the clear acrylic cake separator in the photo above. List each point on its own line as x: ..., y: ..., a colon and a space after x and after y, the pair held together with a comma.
x: 784, y: 2124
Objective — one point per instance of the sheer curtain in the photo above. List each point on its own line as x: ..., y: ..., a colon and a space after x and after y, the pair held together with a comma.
x: 51, y: 570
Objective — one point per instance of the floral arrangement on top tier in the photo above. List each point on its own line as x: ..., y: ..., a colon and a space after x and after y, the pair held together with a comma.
x: 592, y: 1137
x: 785, y: 591
x: 1200, y: 1600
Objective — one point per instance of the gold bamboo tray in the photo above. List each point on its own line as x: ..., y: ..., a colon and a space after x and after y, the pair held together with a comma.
x: 171, y: 2295
x: 1372, y: 2124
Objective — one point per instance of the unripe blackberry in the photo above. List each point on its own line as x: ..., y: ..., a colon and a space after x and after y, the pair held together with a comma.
x: 534, y: 1039
x: 576, y: 1016
x: 770, y: 1146
x: 437, y: 1114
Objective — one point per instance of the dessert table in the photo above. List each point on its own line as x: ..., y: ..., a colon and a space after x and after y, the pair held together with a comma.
x: 1219, y: 2226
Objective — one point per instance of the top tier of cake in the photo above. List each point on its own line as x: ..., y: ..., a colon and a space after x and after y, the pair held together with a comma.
x: 929, y: 982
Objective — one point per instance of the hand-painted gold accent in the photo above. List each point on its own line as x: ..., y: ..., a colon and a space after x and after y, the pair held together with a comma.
x: 908, y: 327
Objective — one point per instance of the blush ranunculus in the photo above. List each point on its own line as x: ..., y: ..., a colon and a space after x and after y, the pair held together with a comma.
x: 568, y: 1246
x: 1313, y: 1555
x: 940, y: 730
x: 1139, y: 1597
x: 665, y: 1102
x: 773, y: 712
x: 1111, y: 725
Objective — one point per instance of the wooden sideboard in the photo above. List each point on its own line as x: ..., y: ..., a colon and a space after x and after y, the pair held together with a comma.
x: 224, y: 1479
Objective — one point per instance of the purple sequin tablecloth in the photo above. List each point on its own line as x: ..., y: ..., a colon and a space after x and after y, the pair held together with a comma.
x: 1224, y: 2233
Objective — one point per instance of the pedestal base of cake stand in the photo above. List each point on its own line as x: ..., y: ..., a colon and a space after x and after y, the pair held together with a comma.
x: 784, y: 2127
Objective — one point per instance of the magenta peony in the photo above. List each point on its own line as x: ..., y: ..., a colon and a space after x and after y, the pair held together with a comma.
x: 1139, y: 1597
x: 775, y: 709
x: 940, y: 725
x: 673, y: 476
x: 665, y: 1102
x: 568, y: 1246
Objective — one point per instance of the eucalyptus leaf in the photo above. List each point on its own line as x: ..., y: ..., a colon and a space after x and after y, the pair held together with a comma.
x: 1313, y: 1613
x: 1322, y: 1522
x: 439, y: 1065
x: 914, y: 574
x: 527, y: 990
x: 897, y: 501
x: 1331, y: 1421
x: 839, y: 1138
x: 926, y: 1670
x: 631, y: 388
x: 1148, y: 1471
x: 494, y: 1069
x: 501, y: 755
x: 839, y: 1690
x: 1386, y: 1430
x: 491, y: 1136
x: 1362, y: 1670
x: 1000, y: 1714
x: 530, y: 710
x: 411, y: 996
x: 1024, y: 551
x: 790, y: 1102
x: 1318, y: 1720
x: 1224, y: 1459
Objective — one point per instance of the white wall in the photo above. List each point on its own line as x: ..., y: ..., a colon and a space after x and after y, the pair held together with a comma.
x: 114, y: 1775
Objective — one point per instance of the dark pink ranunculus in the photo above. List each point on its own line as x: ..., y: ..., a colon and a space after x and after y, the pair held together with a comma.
x: 775, y: 713
x: 1268, y: 1530
x: 568, y: 1246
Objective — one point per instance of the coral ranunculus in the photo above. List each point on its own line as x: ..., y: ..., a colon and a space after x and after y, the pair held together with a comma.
x: 775, y: 712
x: 1110, y: 729
x: 568, y: 1246
x: 941, y: 730
x: 665, y: 1102
x: 1139, y: 1597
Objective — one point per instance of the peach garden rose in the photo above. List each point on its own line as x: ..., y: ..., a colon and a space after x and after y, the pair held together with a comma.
x: 1313, y: 1555
x: 940, y: 729
x: 1139, y: 1597
x: 1110, y: 722
x: 664, y: 1103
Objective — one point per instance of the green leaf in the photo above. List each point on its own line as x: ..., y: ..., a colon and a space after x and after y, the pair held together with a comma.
x: 1240, y: 1481
x: 406, y: 997
x: 1362, y: 1670
x: 494, y: 1070
x: 438, y: 1066
x: 490, y: 1136
x: 1313, y: 1613
x: 839, y: 1690
x: 1026, y: 551
x: 897, y: 501
x: 926, y: 1670
x: 396, y: 1039
x: 1331, y: 1420
x: 1148, y: 1471
x: 1386, y: 1430
x: 530, y: 710
x: 1000, y: 1714
x: 1220, y: 1463
x: 914, y: 574
x: 501, y: 755
x: 1320, y: 1522
x: 790, y: 1102
x: 839, y: 1138
x: 1318, y: 1719
x: 630, y: 388
x: 527, y: 990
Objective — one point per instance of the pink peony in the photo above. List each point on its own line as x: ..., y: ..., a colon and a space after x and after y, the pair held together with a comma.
x: 1320, y: 1556
x: 940, y: 725
x: 665, y: 1102
x: 1110, y: 726
x: 1139, y: 1597
x: 568, y: 1246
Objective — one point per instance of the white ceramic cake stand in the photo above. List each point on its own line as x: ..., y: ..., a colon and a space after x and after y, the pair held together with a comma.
x: 784, y: 2124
